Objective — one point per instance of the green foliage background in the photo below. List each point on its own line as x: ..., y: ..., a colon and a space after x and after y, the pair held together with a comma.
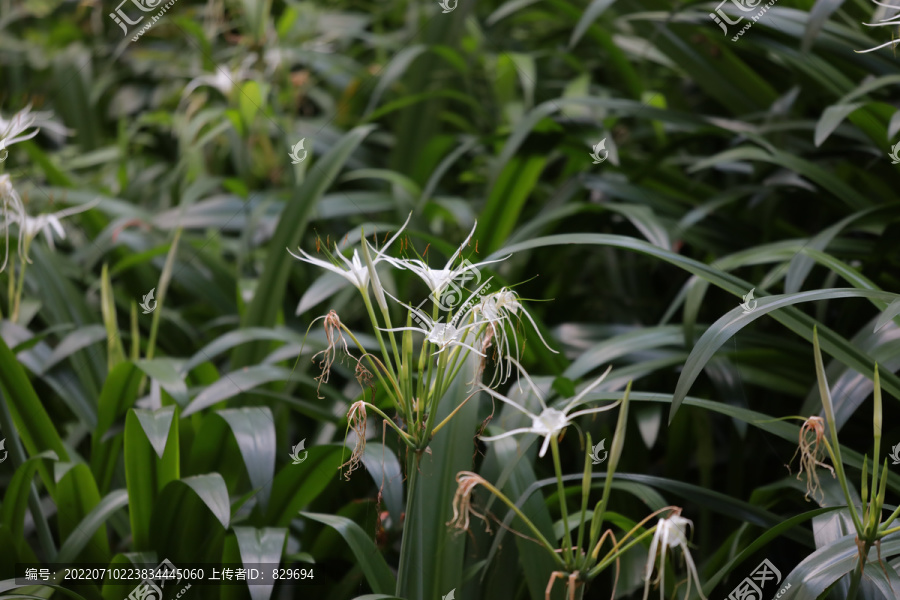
x: 761, y: 163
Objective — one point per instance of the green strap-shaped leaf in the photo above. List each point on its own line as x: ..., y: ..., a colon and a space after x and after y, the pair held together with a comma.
x: 828, y: 564
x: 166, y: 374
x: 793, y: 319
x: 91, y: 525
x: 190, y: 518
x: 260, y: 546
x: 235, y: 383
x: 296, y: 486
x: 15, y: 497
x: 145, y: 472
x: 31, y: 421
x: 432, y: 555
x: 119, y: 394
x: 889, y: 313
x: 383, y: 466
x: 370, y: 560
x: 264, y: 308
x: 736, y: 319
x: 254, y: 431
x: 212, y: 490
x: 768, y: 536
x: 77, y: 496
x: 156, y: 425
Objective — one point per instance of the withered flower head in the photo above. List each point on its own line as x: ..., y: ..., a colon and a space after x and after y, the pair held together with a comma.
x: 462, y: 501
x: 356, y: 420
x: 335, y: 339
x: 812, y: 452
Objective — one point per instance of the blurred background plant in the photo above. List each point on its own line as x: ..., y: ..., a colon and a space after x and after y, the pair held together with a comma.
x: 757, y: 164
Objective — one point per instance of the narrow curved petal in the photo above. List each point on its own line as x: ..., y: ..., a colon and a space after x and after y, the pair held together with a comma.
x: 459, y: 344
x: 421, y: 315
x: 404, y: 329
x: 380, y: 255
x: 74, y: 210
x: 545, y: 445
x: 463, y: 245
x: 577, y: 399
x: 530, y: 382
x: 511, y: 432
x: 884, y: 45
x: 581, y: 413
x: 503, y: 398
x: 533, y: 324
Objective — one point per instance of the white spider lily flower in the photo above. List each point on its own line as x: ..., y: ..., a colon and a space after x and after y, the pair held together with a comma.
x: 551, y: 421
x: 443, y: 335
x: 670, y: 532
x: 507, y: 301
x: 494, y: 309
x: 893, y: 20
x: 222, y: 79
x: 438, y: 280
x: 353, y: 269
x: 48, y: 223
x: 15, y: 129
x: 10, y: 200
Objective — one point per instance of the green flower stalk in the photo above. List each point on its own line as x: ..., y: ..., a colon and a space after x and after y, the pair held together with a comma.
x: 870, y: 528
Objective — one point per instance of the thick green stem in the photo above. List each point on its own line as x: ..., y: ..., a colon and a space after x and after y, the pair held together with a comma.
x: 19, y: 288
x: 842, y: 479
x: 407, y: 542
x: 857, y: 576
x: 567, y: 535
x: 434, y: 400
x: 585, y: 493
x: 384, y: 352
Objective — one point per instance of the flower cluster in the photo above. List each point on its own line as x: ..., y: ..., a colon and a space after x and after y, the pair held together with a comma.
x: 452, y: 329
x: 487, y: 324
